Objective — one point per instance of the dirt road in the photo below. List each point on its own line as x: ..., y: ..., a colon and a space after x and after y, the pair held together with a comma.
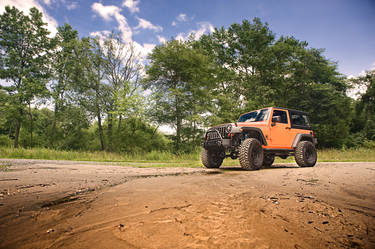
x: 57, y: 204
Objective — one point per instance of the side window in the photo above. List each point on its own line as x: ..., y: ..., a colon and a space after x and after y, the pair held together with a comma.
x: 299, y: 120
x: 282, y: 114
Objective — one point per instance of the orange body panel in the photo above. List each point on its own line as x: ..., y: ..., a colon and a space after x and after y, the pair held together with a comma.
x: 279, y: 135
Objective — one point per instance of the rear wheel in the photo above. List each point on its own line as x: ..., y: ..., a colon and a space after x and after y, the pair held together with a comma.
x: 251, y: 154
x: 211, y: 158
x: 268, y: 160
x: 305, y: 154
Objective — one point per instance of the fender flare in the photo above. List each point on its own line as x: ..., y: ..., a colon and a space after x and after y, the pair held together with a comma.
x: 302, y: 136
x: 257, y: 130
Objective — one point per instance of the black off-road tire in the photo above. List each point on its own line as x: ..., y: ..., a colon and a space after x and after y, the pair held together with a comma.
x: 251, y: 154
x: 268, y: 160
x: 305, y: 154
x: 211, y: 159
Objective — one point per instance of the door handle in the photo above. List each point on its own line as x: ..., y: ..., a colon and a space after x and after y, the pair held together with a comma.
x: 288, y: 128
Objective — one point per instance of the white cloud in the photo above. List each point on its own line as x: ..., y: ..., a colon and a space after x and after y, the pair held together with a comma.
x: 147, y: 48
x: 182, y: 17
x: 25, y: 5
x: 112, y: 12
x: 144, y: 24
x: 181, y: 37
x: 72, y: 5
x: 142, y: 50
x: 47, y: 2
x: 100, y: 34
x: 203, y: 27
x: 358, y: 90
x: 131, y: 5
x: 162, y: 39
x: 109, y: 12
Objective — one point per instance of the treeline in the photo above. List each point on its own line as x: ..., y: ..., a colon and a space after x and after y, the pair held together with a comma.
x: 74, y: 93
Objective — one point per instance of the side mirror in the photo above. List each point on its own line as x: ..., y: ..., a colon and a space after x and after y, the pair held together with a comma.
x: 276, y: 119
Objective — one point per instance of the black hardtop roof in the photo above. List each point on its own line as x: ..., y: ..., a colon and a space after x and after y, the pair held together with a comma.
x: 291, y: 110
x: 282, y: 108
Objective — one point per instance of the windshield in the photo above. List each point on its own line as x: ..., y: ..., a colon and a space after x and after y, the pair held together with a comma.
x: 255, y: 116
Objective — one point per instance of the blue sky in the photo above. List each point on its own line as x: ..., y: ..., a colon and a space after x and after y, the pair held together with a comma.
x: 345, y: 29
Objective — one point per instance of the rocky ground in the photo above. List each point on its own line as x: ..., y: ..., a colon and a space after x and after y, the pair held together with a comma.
x: 61, y: 204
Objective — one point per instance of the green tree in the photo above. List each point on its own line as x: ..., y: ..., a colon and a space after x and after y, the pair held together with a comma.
x: 89, y: 90
x: 65, y: 61
x: 256, y: 71
x: 122, y: 68
x: 7, y: 120
x: 242, y: 53
x: 180, y: 77
x: 364, y: 119
x: 25, y: 59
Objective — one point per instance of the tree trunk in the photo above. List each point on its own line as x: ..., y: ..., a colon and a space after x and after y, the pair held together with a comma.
x: 110, y: 125
x: 100, y: 131
x: 119, y: 125
x: 31, y: 126
x: 16, y: 138
x: 154, y: 131
x: 134, y: 127
x: 53, y: 132
x: 52, y: 137
x: 178, y: 121
x: 178, y: 133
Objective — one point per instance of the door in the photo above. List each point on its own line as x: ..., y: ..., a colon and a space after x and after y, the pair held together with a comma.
x: 281, y: 136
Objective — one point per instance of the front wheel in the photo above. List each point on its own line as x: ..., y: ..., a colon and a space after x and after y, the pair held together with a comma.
x: 211, y: 158
x: 305, y: 154
x: 251, y: 154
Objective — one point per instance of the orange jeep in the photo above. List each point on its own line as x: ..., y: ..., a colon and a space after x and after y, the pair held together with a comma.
x: 259, y: 136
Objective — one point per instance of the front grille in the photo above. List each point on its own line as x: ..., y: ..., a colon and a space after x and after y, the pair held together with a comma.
x: 213, y: 133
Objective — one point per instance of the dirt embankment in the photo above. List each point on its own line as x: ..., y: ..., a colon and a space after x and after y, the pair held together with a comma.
x: 47, y: 204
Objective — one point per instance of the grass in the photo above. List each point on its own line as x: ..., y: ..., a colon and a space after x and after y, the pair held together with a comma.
x: 154, y: 158
x: 167, y: 159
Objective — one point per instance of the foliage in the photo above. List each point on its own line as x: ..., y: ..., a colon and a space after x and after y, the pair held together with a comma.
x: 5, y: 141
x: 260, y: 71
x: 180, y: 77
x: 364, y: 119
x: 61, y: 85
x: 25, y: 59
x: 122, y: 72
x: 87, y: 94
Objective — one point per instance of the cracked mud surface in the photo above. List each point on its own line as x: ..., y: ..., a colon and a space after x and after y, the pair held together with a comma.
x: 57, y: 204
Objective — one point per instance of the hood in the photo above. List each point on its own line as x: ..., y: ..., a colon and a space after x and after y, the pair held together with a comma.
x: 242, y: 124
x: 251, y: 124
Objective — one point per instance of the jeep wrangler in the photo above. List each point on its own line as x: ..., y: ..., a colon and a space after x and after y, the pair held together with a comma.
x: 259, y: 136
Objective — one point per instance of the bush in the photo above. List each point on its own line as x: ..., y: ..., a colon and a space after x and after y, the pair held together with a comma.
x: 369, y: 144
x: 5, y: 141
x: 355, y: 140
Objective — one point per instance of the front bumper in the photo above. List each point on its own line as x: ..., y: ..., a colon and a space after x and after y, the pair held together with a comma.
x: 217, y: 143
x: 217, y: 138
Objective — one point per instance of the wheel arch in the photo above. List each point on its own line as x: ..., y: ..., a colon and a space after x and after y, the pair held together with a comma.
x: 255, y: 132
x: 302, y: 137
